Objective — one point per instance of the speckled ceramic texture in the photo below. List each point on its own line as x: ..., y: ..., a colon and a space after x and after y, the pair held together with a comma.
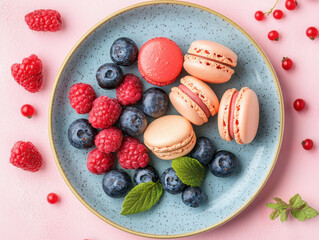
x: 223, y: 196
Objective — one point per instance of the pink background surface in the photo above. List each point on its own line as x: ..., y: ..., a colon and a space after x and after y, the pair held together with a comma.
x: 24, y: 211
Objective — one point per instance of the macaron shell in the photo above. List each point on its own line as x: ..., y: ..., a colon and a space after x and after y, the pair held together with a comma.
x: 223, y: 114
x: 203, y: 91
x: 246, y: 116
x: 213, y: 50
x: 178, y: 152
x: 206, y: 70
x: 160, y: 61
x: 169, y: 132
x: 187, y: 107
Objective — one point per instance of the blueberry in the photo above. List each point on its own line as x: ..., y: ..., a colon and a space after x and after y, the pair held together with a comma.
x: 109, y: 76
x: 223, y: 164
x: 192, y: 196
x: 171, y: 183
x: 116, y: 183
x: 144, y: 175
x: 203, y: 151
x: 155, y: 102
x: 81, y: 134
x: 124, y: 51
x: 132, y: 121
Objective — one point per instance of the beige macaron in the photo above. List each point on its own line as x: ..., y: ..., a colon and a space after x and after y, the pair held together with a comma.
x: 170, y: 137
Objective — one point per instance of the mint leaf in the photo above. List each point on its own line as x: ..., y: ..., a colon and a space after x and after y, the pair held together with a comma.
x: 142, y: 197
x: 189, y: 171
x: 283, y: 215
x: 274, y: 214
x: 275, y: 206
x: 281, y: 202
x: 306, y: 212
x: 296, y: 201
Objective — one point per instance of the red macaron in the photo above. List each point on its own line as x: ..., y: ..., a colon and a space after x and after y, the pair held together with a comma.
x: 160, y: 61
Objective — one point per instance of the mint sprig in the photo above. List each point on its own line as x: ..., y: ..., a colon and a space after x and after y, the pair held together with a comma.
x: 298, y: 208
x: 190, y: 171
x: 142, y: 197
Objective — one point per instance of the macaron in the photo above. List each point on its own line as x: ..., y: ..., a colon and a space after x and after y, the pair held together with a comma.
x: 210, y: 61
x: 194, y: 99
x: 170, y: 137
x: 160, y: 61
x: 238, y: 115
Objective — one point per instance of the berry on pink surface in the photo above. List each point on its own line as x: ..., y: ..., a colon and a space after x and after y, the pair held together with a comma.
x: 27, y: 110
x: 44, y: 20
x: 52, y: 198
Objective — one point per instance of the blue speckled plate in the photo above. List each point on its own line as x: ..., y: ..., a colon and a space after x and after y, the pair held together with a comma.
x: 183, y: 23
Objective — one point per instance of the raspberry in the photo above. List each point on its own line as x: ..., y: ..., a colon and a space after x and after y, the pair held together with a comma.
x: 26, y: 156
x: 132, y: 154
x: 28, y: 74
x: 130, y: 90
x: 105, y: 112
x: 81, y: 97
x: 109, y: 140
x: 99, y: 162
x: 44, y: 20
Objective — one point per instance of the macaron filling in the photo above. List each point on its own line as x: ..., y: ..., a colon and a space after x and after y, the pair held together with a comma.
x: 195, y: 98
x: 211, y: 59
x: 232, y: 114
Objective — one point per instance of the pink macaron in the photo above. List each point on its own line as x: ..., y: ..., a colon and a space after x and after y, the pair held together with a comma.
x: 160, y: 61
x: 238, y: 115
x: 210, y: 61
x: 194, y: 100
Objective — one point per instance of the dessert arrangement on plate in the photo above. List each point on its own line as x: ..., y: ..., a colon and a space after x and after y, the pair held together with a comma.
x: 114, y: 124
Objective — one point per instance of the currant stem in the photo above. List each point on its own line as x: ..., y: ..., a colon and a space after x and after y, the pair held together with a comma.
x: 270, y: 11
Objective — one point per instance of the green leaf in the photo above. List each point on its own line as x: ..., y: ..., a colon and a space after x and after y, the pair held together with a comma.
x: 275, y: 206
x: 189, y: 171
x: 306, y: 212
x: 279, y: 201
x: 283, y: 215
x: 142, y: 197
x: 274, y: 214
x: 296, y: 201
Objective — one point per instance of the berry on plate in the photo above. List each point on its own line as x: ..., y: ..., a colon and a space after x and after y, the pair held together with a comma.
x: 124, y: 51
x: 26, y: 156
x: 133, y: 121
x: 286, y: 63
x: 133, y: 154
x: 312, y: 33
x: 203, y: 151
x: 52, y: 198
x: 28, y: 74
x: 299, y: 104
x: 223, y: 164
x: 144, y: 175
x: 109, y: 140
x: 155, y: 102
x: 109, y: 76
x: 130, y: 90
x: 307, y: 144
x: 81, y: 134
x: 105, y: 112
x: 44, y: 20
x: 116, y: 183
x: 99, y: 162
x: 171, y: 182
x: 192, y: 196
x: 27, y: 110
x: 81, y: 97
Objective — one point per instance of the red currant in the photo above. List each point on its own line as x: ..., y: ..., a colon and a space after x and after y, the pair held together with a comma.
x: 259, y: 15
x: 291, y: 4
x: 278, y: 14
x: 286, y: 63
x: 299, y: 104
x: 52, y: 198
x: 312, y: 32
x: 307, y: 144
x: 27, y: 110
x: 273, y: 35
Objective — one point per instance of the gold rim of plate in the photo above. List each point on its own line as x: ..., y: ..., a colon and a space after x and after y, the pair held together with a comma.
x: 142, y: 4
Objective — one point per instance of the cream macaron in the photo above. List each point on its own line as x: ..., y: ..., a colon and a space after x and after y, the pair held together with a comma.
x: 194, y: 99
x: 170, y: 137
x: 238, y: 115
x: 210, y: 61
